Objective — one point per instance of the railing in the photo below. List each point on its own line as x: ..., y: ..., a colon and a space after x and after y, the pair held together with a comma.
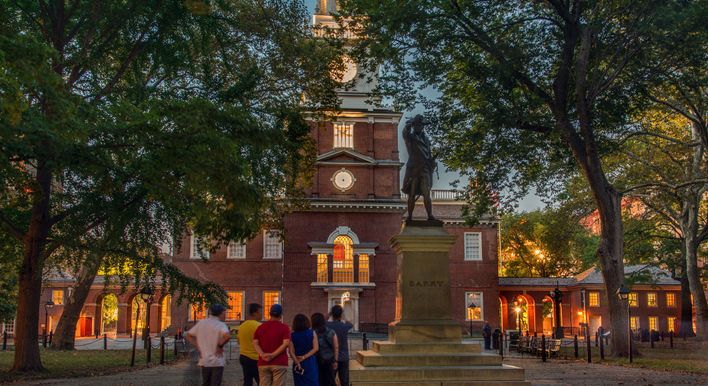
x: 442, y: 195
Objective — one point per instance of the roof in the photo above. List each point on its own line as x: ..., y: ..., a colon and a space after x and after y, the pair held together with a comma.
x: 638, y: 274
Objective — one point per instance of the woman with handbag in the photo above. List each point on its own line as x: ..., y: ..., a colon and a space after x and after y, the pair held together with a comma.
x: 328, y: 350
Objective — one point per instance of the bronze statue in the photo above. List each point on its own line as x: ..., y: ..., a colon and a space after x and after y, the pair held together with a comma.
x: 418, y: 179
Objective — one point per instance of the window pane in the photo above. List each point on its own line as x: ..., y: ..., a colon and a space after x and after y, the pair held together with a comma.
x: 343, y: 260
x: 58, y: 297
x: 594, y: 299
x: 634, y: 323
x: 200, y: 248
x: 322, y: 268
x: 473, y: 305
x: 235, y: 311
x: 672, y: 323
x: 651, y: 299
x: 344, y: 134
x: 633, y: 302
x: 198, y: 311
x: 653, y: 323
x: 473, y: 242
x: 272, y: 245
x: 363, y: 268
x: 237, y: 250
x: 670, y: 299
x: 270, y: 298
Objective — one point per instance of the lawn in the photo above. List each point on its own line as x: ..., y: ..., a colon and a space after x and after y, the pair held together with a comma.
x: 79, y: 363
x: 689, y: 356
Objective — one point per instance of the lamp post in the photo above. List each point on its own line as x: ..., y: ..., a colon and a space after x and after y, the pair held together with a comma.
x: 623, y: 294
x: 470, y: 311
x: 47, y: 306
x: 146, y: 294
x: 557, y: 295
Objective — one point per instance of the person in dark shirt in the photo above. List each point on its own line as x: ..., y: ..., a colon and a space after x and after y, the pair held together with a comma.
x: 487, y: 334
x: 341, y: 328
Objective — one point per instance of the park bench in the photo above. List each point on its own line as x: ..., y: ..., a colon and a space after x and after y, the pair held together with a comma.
x: 553, y: 346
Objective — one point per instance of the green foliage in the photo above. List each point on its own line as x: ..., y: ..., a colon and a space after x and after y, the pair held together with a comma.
x: 10, y: 250
x: 109, y: 309
x: 548, y: 242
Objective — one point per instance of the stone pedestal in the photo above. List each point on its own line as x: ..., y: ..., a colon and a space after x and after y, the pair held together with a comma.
x: 425, y: 342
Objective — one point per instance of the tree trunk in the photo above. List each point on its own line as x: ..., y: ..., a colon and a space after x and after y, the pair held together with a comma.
x: 686, y: 309
x: 693, y: 276
x: 65, y: 334
x: 30, y: 277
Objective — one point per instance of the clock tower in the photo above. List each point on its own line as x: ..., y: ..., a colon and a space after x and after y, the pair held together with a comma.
x: 338, y: 249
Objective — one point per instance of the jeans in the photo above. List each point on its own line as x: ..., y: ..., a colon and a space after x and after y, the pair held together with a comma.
x: 343, y: 372
x: 250, y: 370
x: 272, y: 375
x: 211, y: 376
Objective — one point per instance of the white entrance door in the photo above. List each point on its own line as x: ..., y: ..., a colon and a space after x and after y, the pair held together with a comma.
x: 350, y: 302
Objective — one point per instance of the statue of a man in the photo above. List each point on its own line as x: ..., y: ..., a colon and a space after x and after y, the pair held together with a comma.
x: 418, y: 179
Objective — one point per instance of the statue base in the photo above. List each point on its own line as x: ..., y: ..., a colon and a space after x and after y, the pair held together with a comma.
x: 425, y: 344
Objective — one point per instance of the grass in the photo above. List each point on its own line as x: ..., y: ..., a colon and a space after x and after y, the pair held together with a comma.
x: 79, y: 363
x: 689, y: 356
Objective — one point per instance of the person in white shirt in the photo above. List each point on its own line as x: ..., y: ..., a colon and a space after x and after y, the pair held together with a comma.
x: 209, y: 337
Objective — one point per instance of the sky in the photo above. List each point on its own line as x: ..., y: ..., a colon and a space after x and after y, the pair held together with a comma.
x: 529, y: 202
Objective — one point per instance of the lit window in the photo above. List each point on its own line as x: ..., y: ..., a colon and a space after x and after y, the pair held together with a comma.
x: 270, y: 298
x: 672, y: 323
x: 165, y: 312
x: 58, y: 297
x: 199, y: 248
x: 343, y: 260
x: 651, y: 299
x: 344, y: 134
x: 235, y: 311
x: 670, y: 299
x: 322, y: 268
x: 272, y: 245
x: 634, y: 323
x: 363, y: 268
x: 473, y: 305
x: 633, y: 299
x: 653, y: 323
x: 198, y: 311
x: 594, y: 299
x: 9, y: 327
x: 473, y: 246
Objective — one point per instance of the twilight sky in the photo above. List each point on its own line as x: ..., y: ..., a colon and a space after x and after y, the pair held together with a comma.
x: 530, y: 202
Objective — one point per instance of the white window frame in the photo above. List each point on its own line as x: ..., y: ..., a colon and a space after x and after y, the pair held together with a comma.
x: 481, y: 253
x: 192, y: 254
x: 339, y: 141
x: 480, y: 305
x: 266, y: 236
x: 239, y: 245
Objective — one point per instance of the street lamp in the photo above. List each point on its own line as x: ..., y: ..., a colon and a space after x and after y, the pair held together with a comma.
x: 623, y: 294
x: 470, y: 313
x: 557, y: 295
x: 47, y: 306
x: 146, y: 294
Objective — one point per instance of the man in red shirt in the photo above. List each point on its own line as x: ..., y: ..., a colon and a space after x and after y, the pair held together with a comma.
x: 271, y: 341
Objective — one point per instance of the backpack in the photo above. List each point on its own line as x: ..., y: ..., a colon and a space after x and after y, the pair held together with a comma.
x: 325, y: 355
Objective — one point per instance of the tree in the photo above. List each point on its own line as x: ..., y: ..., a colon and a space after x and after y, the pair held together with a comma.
x: 548, y: 242
x: 198, y: 115
x: 530, y: 93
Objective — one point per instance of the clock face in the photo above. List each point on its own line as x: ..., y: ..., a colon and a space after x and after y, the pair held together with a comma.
x: 343, y: 179
x: 350, y: 70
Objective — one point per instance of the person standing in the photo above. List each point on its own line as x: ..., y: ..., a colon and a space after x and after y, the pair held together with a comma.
x: 487, y: 334
x: 209, y: 337
x: 248, y: 356
x: 328, y: 350
x: 341, y: 328
x: 271, y: 341
x: 303, y: 349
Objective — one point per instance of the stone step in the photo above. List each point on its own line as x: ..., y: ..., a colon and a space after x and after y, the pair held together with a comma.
x: 372, y: 358
x: 360, y: 375
x: 388, y: 347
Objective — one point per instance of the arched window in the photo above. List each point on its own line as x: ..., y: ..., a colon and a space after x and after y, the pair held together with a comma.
x: 343, y: 260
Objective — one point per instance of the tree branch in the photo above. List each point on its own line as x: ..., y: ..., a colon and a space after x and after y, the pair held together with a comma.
x: 11, y: 228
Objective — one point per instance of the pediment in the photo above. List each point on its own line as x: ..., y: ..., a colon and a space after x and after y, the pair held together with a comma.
x: 345, y: 155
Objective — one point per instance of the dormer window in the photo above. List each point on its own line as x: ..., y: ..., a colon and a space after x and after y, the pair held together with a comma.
x: 344, y: 134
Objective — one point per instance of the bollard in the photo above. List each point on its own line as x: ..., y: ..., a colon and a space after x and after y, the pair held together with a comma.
x: 51, y: 335
x: 587, y: 341
x: 501, y: 345
x: 651, y: 339
x: 4, y: 341
x: 543, y: 347
x: 162, y: 350
x: 364, y: 342
x: 575, y: 344
x: 175, y: 344
x: 602, y: 349
x: 662, y: 335
x: 671, y: 339
x: 44, y: 339
x: 597, y: 337
x: 149, y: 351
